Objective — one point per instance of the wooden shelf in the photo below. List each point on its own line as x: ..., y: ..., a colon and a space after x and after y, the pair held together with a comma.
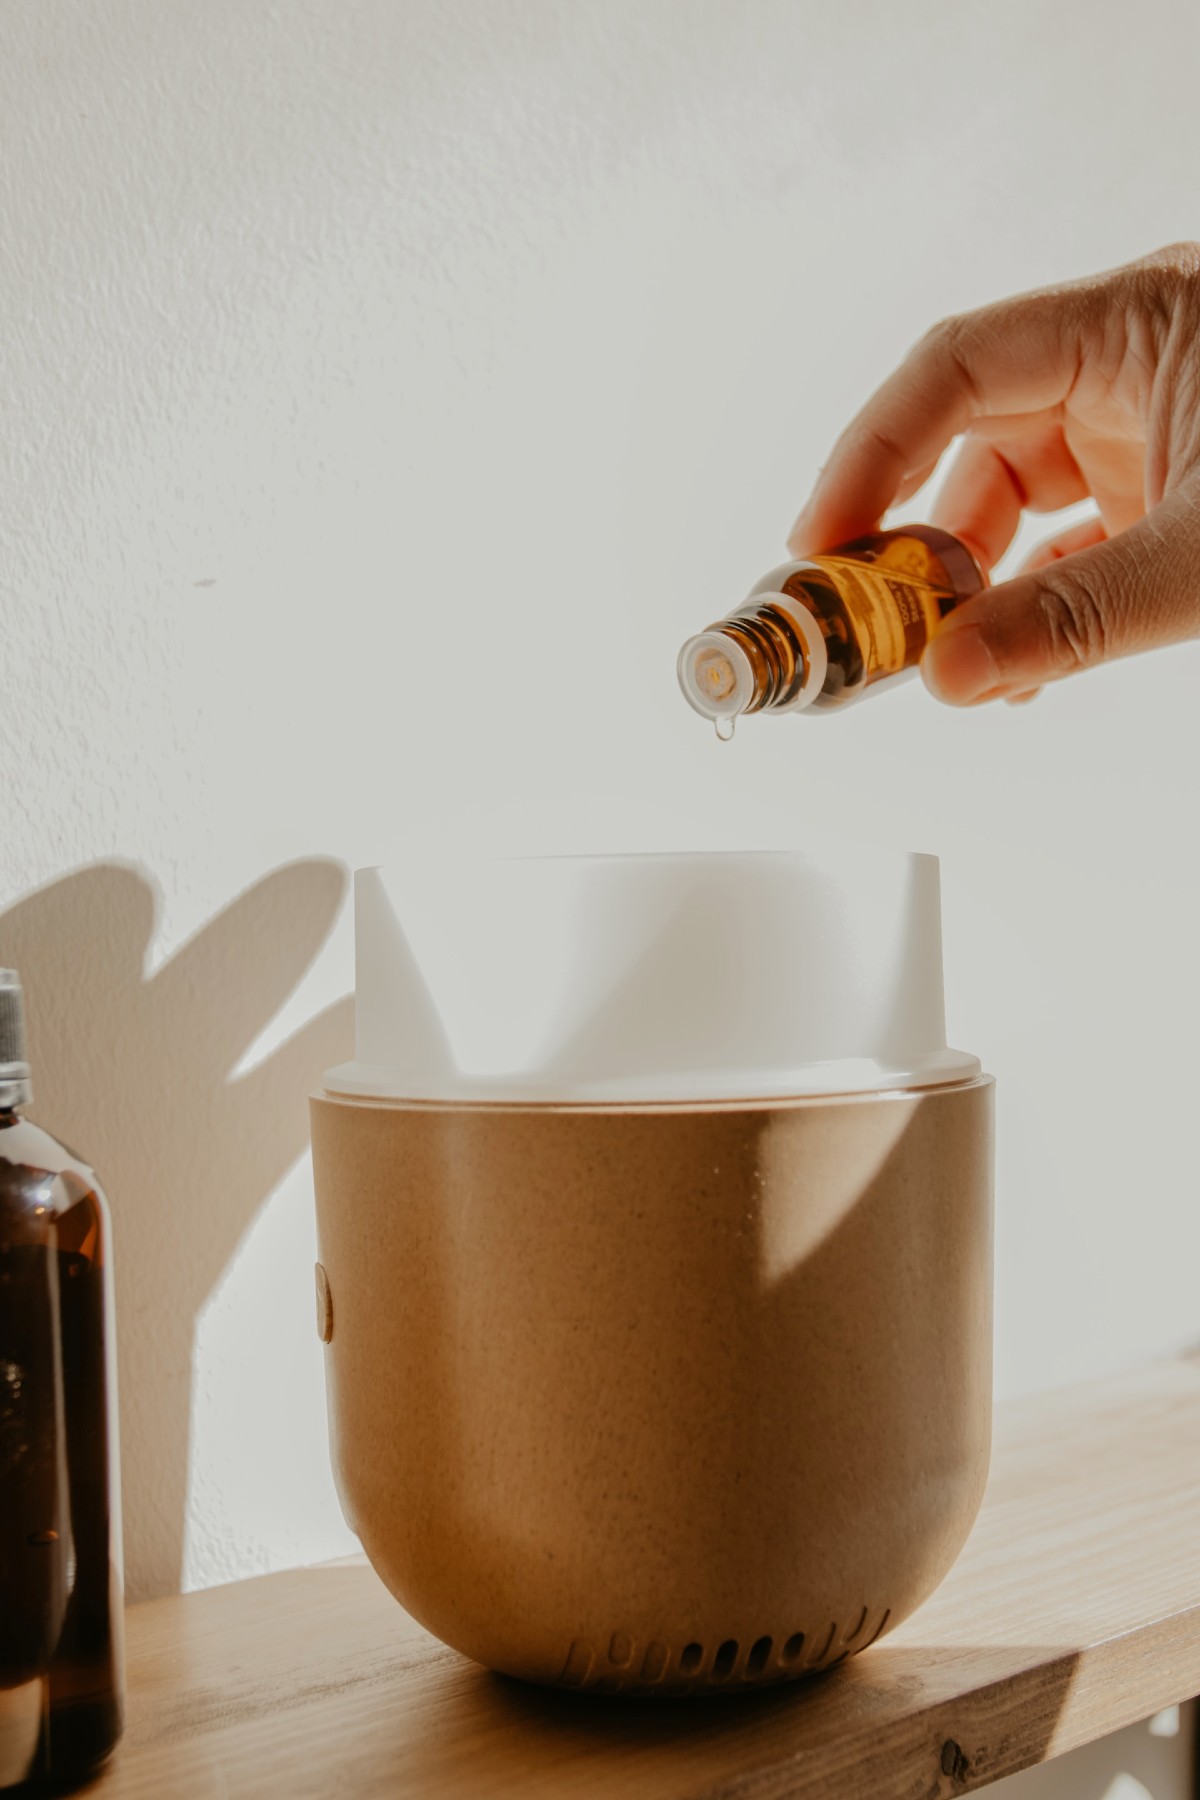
x: 1074, y: 1610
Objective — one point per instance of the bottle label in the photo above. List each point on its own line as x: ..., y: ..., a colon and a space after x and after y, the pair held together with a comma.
x: 896, y: 611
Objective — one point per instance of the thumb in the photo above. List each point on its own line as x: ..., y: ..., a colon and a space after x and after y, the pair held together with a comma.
x: 1133, y: 592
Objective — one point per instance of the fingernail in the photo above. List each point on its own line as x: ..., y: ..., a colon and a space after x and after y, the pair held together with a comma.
x: 796, y: 534
x: 958, y: 666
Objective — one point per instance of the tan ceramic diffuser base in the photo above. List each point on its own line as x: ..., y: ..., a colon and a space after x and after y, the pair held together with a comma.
x: 659, y: 1399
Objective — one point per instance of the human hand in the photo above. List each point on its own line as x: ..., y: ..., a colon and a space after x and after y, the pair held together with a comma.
x: 1089, y: 390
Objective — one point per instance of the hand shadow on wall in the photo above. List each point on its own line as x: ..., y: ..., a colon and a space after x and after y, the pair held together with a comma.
x: 135, y: 1072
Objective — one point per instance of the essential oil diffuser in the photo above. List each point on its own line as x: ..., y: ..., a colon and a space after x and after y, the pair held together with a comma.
x: 655, y: 1261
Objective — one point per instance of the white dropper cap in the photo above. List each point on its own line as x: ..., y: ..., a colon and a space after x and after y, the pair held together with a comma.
x: 15, y: 1086
x: 716, y: 674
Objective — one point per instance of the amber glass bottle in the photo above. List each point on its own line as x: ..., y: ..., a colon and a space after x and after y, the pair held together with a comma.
x: 61, y: 1667
x: 822, y: 632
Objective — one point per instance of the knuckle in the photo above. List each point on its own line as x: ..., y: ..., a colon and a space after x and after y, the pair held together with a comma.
x: 954, y: 341
x: 881, y: 444
x: 1182, y: 259
x: 938, y: 331
x: 1075, y: 620
x: 948, y: 334
x: 1170, y: 279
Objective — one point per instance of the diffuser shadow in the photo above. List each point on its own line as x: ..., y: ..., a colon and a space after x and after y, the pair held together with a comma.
x: 136, y: 1071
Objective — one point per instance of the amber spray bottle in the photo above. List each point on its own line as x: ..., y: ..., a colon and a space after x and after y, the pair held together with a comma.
x: 822, y: 632
x: 61, y: 1642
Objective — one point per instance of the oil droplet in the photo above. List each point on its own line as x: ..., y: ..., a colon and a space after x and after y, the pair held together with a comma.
x: 725, y: 729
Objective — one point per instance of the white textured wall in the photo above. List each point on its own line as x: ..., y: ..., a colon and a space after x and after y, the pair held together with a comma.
x: 385, y: 391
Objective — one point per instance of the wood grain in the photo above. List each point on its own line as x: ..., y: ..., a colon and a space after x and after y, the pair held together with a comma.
x: 1074, y: 1610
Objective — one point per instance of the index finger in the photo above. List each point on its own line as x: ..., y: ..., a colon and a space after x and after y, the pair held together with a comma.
x: 1018, y: 356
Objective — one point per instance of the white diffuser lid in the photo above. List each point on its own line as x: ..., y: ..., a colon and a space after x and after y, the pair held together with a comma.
x: 615, y: 979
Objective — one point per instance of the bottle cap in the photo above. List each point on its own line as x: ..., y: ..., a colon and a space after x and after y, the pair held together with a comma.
x: 715, y: 675
x: 616, y: 980
x: 15, y: 1088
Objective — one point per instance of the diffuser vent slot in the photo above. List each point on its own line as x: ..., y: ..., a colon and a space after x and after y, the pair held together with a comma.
x: 626, y: 1665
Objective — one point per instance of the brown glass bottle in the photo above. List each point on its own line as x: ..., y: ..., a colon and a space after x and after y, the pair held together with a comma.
x: 61, y: 1660
x: 822, y: 632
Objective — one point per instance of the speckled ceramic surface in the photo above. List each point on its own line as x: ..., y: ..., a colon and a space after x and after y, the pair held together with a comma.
x: 659, y: 1399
